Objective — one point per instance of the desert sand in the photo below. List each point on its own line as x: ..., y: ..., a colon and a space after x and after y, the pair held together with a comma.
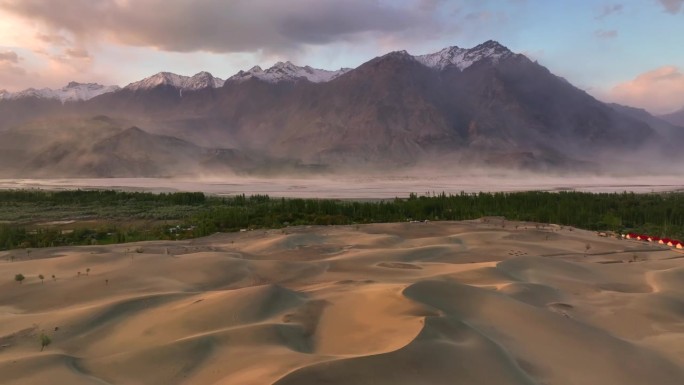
x: 477, y: 302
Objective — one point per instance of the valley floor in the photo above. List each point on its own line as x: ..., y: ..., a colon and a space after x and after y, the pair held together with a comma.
x: 475, y: 302
x: 364, y: 187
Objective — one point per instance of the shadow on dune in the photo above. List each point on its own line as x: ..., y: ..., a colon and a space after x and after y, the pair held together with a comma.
x: 447, y: 351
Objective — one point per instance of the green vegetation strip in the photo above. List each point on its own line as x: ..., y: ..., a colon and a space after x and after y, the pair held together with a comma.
x: 34, y: 218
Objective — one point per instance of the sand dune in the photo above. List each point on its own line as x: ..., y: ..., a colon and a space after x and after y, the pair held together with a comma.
x: 477, y: 302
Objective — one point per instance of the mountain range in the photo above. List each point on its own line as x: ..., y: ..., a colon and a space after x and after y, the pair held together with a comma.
x: 456, y: 108
x: 676, y: 118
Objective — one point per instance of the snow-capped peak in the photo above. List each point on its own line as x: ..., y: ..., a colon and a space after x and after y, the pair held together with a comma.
x: 198, y: 81
x: 255, y: 69
x: 203, y: 80
x: 286, y: 71
x: 71, y: 92
x: 463, y: 58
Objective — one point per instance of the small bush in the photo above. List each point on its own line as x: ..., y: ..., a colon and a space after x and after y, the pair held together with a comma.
x: 44, y: 341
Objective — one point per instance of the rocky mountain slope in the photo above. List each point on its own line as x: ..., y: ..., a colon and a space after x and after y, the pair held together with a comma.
x: 480, y: 106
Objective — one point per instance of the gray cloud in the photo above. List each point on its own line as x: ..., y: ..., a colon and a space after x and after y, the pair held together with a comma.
x: 9, y: 57
x: 76, y: 53
x: 609, y: 9
x: 672, y: 6
x: 235, y: 26
x: 10, y: 71
x: 55, y: 39
x: 603, y: 34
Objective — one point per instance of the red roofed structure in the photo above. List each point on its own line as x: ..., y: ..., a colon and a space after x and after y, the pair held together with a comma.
x: 651, y: 238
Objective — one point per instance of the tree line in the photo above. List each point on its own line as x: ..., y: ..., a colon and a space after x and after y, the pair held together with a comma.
x: 195, y: 214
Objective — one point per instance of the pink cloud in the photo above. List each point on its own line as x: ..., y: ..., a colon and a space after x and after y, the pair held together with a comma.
x: 660, y: 90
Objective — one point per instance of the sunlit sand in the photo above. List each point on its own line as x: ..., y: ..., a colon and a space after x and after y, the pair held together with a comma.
x: 477, y: 302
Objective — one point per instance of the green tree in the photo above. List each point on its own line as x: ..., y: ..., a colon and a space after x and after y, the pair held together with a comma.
x: 19, y: 278
x: 88, y: 271
x: 41, y: 277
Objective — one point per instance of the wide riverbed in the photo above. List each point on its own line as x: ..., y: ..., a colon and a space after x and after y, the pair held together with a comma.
x: 359, y: 187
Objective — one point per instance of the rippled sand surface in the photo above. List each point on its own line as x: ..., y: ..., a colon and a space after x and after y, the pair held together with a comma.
x: 478, y: 302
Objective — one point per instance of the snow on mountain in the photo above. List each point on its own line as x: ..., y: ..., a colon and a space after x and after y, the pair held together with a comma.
x: 203, y: 80
x: 71, y: 92
x: 196, y: 82
x: 286, y: 71
x: 460, y: 57
x: 463, y: 58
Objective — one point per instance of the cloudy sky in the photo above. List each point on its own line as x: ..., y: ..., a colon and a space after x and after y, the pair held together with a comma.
x: 628, y: 51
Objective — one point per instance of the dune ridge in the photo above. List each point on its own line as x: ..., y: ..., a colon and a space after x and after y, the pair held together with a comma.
x: 473, y: 302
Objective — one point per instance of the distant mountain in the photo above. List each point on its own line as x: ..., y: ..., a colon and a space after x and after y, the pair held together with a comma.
x: 455, y: 108
x: 485, y: 103
x: 463, y: 58
x: 287, y: 72
x: 136, y: 152
x: 676, y: 118
x: 44, y: 147
x: 99, y: 147
x: 71, y: 92
x: 188, y: 83
x: 667, y: 130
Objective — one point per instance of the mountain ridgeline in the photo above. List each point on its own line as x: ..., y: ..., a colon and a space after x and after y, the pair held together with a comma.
x: 480, y: 107
x: 676, y: 118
